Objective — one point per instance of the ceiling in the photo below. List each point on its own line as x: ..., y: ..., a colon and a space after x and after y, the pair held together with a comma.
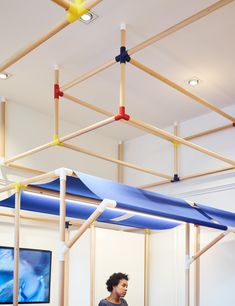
x: 204, y: 49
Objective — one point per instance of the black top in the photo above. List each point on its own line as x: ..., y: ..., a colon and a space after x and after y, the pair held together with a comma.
x: 107, y: 303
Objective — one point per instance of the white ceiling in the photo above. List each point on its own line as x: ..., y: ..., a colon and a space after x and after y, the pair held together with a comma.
x: 205, y: 49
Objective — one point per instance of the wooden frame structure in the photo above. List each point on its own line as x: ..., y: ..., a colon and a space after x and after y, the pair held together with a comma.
x: 76, y: 9
x: 66, y: 243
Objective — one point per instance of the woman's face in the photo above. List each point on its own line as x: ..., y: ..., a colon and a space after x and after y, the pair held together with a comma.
x: 121, y: 288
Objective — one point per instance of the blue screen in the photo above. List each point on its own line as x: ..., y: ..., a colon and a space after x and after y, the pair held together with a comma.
x: 34, y: 275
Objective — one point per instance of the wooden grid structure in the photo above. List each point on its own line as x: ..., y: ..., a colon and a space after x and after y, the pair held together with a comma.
x: 75, y: 10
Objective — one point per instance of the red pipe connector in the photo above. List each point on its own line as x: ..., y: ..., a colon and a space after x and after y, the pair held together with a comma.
x: 57, y: 92
x: 122, y: 114
x: 234, y: 124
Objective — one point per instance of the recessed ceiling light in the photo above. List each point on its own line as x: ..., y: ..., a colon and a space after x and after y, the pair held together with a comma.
x: 88, y: 17
x: 193, y: 82
x: 4, y: 75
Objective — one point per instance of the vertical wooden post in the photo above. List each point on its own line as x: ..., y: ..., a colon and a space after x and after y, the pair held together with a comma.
x: 123, y: 69
x: 120, y: 167
x: 196, y: 266
x: 92, y: 264
x: 187, y: 266
x: 3, y: 129
x: 66, y: 291
x: 16, y: 245
x: 176, y: 152
x: 146, y: 267
x: 62, y: 239
x: 56, y: 104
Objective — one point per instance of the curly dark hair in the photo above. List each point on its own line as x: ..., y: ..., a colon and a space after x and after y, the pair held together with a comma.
x: 114, y: 280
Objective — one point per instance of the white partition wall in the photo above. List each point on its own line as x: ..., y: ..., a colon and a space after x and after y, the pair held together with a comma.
x: 120, y: 252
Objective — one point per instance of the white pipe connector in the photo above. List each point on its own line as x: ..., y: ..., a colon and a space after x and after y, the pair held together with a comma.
x: 188, y: 261
x: 62, y: 173
x: 63, y: 249
x: 56, y: 67
x: 2, y: 161
x: 2, y: 99
x: 106, y: 203
x: 123, y: 26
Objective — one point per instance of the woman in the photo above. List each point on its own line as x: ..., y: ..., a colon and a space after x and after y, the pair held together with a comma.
x: 117, y: 286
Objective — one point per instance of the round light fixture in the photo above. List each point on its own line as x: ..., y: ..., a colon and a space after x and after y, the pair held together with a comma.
x: 193, y: 82
x: 4, y: 75
x: 87, y: 17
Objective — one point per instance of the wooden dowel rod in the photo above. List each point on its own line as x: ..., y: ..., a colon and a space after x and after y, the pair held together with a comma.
x: 92, y: 264
x: 196, y: 266
x: 35, y: 179
x: 3, y: 128
x: 66, y: 279
x: 182, y: 178
x: 56, y: 105
x: 122, y: 92
x: 168, y: 136
x: 63, y: 3
x: 180, y: 25
x: 176, y: 150
x: 187, y: 270
x: 181, y: 89
x: 84, y: 227
x: 88, y: 129
x: 62, y: 240
x: 88, y: 75
x: 146, y: 267
x: 33, y: 46
x: 120, y: 167
x: 113, y: 160
x: 209, y: 245
x: 221, y: 128
x: 27, y: 153
x: 25, y: 169
x: 88, y: 105
x: 16, y: 247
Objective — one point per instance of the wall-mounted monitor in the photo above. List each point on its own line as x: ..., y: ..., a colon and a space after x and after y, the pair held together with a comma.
x: 34, y: 275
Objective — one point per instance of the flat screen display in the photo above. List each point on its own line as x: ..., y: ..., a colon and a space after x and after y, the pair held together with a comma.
x: 34, y: 275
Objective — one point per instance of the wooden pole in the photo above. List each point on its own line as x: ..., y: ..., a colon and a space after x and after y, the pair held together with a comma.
x: 176, y: 152
x: 211, y: 131
x: 180, y: 25
x: 181, y: 89
x: 209, y: 245
x: 113, y: 160
x: 88, y: 75
x: 196, y: 266
x: 33, y: 46
x: 66, y: 282
x: 170, y: 137
x: 153, y: 39
x: 63, y: 3
x: 122, y: 95
x: 92, y: 264
x: 56, y: 105
x: 99, y: 210
x: 188, y: 177
x: 16, y: 246
x: 187, y: 268
x: 146, y: 267
x: 120, y: 167
x: 62, y: 240
x: 62, y: 139
x: 3, y: 128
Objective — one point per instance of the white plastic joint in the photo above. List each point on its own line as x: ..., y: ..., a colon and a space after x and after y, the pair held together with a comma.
x: 62, y: 173
x: 62, y: 250
x: 188, y: 261
x: 2, y: 99
x: 56, y: 67
x: 106, y: 203
x: 123, y: 26
x: 2, y: 161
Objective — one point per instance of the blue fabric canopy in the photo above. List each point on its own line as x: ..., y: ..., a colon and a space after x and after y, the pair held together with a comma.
x: 152, y: 205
